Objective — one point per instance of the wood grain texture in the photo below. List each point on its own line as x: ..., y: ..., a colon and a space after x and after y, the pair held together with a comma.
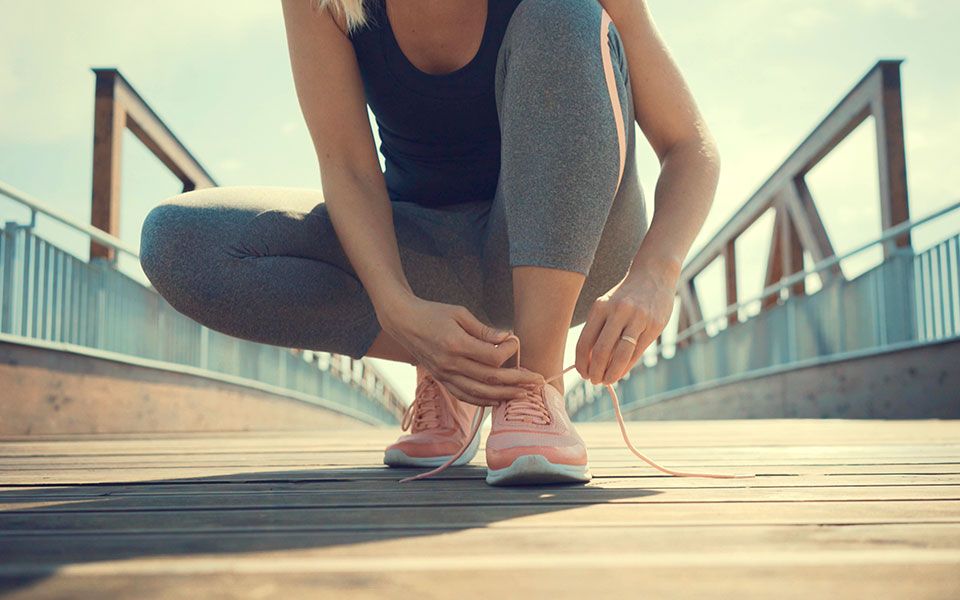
x: 851, y: 509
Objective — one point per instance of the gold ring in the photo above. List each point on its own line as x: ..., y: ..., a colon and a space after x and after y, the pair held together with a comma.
x: 629, y: 339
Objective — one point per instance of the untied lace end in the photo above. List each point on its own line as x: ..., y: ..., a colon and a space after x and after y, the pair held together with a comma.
x: 481, y: 414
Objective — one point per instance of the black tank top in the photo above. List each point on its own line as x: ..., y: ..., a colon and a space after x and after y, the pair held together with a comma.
x: 439, y: 134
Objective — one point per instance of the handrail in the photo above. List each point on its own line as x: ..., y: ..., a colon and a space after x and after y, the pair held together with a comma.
x: 815, y: 268
x: 38, y: 206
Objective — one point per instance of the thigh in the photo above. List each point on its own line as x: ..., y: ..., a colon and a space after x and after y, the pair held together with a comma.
x: 439, y: 247
x: 219, y: 252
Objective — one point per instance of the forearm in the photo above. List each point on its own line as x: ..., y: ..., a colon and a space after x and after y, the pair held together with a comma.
x: 363, y: 219
x: 684, y: 193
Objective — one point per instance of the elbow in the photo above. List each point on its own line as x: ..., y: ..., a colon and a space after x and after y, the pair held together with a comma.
x: 709, y: 149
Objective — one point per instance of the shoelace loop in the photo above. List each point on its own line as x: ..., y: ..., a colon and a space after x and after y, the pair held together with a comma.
x: 481, y: 414
x: 529, y: 408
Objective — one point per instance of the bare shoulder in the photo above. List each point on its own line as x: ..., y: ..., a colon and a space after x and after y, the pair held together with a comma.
x: 315, y: 12
x: 338, y: 17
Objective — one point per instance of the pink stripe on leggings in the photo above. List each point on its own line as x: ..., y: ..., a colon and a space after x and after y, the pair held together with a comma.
x: 612, y: 89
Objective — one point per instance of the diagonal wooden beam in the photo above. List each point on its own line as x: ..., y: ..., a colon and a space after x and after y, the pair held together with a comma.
x: 690, y: 310
x: 774, y: 263
x: 809, y: 227
x: 730, y: 276
x: 791, y: 251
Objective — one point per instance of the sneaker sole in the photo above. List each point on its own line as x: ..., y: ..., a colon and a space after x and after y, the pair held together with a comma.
x: 534, y: 469
x: 399, y: 458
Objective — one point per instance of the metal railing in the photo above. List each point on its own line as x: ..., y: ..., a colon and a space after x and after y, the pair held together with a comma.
x: 50, y: 297
x: 909, y: 299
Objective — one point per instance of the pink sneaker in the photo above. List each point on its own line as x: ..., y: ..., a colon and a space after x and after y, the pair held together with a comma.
x: 439, y: 424
x: 533, y: 441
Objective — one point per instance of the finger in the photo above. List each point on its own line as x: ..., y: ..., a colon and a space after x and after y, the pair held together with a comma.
x: 484, y: 391
x: 511, y: 377
x: 477, y: 328
x: 623, y: 352
x: 643, y: 342
x: 588, y: 338
x: 483, y: 342
x: 607, y: 340
x: 483, y: 362
x: 462, y: 394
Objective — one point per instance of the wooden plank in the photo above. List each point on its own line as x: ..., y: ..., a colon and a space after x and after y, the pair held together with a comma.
x: 466, y: 516
x: 455, y: 497
x: 757, y: 455
x: 53, y: 548
x: 908, y: 579
x: 690, y: 433
x: 639, y: 471
x: 224, y: 489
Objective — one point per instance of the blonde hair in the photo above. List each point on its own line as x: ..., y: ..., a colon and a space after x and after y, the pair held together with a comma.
x: 351, y: 9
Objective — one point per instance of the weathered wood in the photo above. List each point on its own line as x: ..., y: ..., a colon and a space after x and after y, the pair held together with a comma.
x: 791, y: 250
x: 774, y: 270
x: 887, y: 106
x: 109, y: 120
x: 730, y: 276
x: 843, y: 508
x: 809, y: 227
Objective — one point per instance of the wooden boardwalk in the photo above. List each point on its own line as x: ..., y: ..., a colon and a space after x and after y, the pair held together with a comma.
x: 840, y: 509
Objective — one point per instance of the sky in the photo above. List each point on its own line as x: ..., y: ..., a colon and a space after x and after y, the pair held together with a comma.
x: 763, y: 73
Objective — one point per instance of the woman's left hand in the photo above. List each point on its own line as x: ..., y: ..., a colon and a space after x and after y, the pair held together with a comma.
x: 639, y: 306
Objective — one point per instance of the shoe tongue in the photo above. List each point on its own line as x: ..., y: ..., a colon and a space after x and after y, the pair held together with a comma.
x: 421, y: 373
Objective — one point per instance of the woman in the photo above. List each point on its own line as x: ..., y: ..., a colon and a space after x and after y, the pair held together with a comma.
x: 509, y: 210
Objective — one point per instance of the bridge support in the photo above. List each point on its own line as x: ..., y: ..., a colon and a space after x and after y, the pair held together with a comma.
x: 798, y: 228
x: 117, y: 107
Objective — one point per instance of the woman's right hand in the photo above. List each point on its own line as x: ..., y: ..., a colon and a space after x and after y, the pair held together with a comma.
x: 460, y: 351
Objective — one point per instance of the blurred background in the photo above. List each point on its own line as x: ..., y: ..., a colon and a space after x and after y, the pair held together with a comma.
x: 764, y: 74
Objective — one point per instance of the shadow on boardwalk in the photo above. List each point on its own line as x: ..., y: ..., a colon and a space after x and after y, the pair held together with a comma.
x: 46, y: 528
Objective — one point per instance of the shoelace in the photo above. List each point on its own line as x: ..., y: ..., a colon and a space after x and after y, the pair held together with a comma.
x: 425, y: 412
x: 527, y: 405
x: 529, y: 408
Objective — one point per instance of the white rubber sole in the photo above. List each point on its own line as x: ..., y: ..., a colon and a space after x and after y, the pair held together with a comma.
x: 399, y: 458
x: 534, y: 469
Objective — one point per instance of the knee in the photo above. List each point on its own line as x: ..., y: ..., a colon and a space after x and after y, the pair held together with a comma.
x: 564, y: 26
x: 161, y: 240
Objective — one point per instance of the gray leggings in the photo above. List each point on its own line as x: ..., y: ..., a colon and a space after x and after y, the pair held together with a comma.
x: 265, y: 263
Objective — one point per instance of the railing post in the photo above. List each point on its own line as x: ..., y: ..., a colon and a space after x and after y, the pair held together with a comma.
x: 730, y: 271
x: 10, y: 283
x: 887, y: 108
x: 109, y: 120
